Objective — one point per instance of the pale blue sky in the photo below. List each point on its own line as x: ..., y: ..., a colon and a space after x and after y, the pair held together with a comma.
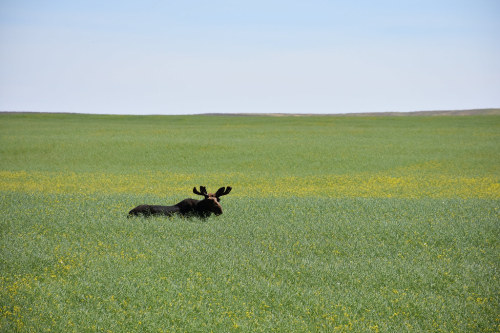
x: 185, y: 57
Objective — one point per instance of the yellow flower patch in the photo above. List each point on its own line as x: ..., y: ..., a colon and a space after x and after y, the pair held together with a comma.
x: 333, y: 186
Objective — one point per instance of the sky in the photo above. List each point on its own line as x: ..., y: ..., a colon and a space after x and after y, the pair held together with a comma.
x: 272, y: 56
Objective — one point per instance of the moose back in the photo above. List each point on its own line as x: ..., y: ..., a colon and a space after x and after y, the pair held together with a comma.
x: 187, y: 207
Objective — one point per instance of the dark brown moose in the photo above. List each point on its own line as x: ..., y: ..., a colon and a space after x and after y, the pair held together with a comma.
x: 187, y: 207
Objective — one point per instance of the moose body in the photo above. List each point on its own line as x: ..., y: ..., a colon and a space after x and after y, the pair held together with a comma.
x: 187, y: 207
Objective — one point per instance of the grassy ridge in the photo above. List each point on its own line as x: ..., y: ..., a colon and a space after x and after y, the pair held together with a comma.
x: 302, y: 156
x: 397, y: 229
x: 292, y: 146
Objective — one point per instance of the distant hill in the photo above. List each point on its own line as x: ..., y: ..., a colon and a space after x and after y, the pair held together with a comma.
x: 472, y: 112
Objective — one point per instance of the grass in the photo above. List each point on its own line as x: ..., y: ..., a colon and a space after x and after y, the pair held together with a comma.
x: 335, y: 224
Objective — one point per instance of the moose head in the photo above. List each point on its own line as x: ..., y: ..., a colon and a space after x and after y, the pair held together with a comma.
x: 211, y: 203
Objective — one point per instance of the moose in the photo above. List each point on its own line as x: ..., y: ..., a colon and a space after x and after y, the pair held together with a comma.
x: 187, y: 207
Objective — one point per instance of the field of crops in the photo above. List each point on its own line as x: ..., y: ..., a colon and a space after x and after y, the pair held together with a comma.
x: 363, y: 224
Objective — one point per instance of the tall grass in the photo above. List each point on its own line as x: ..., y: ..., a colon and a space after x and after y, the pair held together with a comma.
x: 397, y: 229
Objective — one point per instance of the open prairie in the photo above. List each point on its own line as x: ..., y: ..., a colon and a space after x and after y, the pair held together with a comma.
x: 363, y: 224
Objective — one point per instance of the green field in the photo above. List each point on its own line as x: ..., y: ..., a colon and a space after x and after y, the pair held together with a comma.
x: 363, y: 224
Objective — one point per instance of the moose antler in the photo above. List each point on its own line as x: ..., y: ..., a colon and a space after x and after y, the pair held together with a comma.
x: 202, y: 191
x: 223, y: 191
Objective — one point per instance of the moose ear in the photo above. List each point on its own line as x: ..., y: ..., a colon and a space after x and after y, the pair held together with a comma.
x: 228, y: 189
